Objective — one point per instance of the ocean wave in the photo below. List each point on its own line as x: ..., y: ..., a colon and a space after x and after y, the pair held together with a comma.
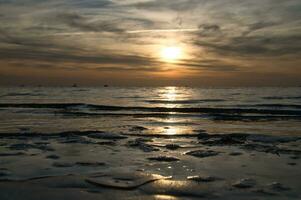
x: 294, y: 106
x: 21, y: 94
x: 184, y: 101
x: 281, y: 98
x: 130, y: 97
x: 200, y: 110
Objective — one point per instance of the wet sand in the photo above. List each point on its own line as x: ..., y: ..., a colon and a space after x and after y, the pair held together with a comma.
x: 133, y: 165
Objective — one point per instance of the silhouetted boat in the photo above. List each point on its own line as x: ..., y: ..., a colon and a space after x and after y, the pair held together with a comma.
x: 106, y: 85
x: 74, y: 85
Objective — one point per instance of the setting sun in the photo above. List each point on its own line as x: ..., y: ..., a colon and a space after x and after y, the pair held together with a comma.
x: 171, y: 53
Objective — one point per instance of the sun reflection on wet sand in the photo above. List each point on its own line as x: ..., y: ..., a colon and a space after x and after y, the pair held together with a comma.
x: 165, y: 197
x: 172, y: 131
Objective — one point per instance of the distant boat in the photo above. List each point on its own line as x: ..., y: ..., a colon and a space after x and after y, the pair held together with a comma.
x: 74, y: 85
x: 105, y: 85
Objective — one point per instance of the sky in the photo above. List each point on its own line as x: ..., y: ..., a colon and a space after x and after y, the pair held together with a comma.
x: 120, y: 42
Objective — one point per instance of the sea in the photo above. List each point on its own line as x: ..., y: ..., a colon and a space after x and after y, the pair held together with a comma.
x: 151, y: 110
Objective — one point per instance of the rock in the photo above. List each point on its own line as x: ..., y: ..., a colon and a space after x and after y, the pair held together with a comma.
x: 202, y: 153
x: 264, y: 191
x: 138, y: 128
x: 292, y: 163
x: 25, y: 147
x: 4, y: 173
x: 92, y: 164
x: 53, y: 156
x: 202, y: 178
x: 235, y: 153
x: 271, y: 139
x: 110, y: 143
x: 278, y: 187
x: 63, y: 164
x: 74, y: 140
x: 172, y: 146
x: 12, y: 154
x: 139, y: 142
x: 244, y: 183
x: 203, y: 135
x: 106, y: 136
x: 164, y: 159
x: 269, y: 149
x: 294, y: 157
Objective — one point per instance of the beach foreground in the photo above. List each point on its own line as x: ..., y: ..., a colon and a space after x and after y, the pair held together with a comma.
x: 150, y: 143
x: 100, y: 165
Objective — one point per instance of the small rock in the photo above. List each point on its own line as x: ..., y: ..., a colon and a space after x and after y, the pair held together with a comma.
x: 93, y: 164
x: 62, y: 164
x: 244, y: 183
x: 202, y: 178
x: 106, y: 136
x: 235, y: 153
x: 53, y: 156
x: 164, y: 158
x: 292, y: 163
x: 263, y: 191
x: 172, y: 146
x: 202, y: 153
x: 294, y: 157
x: 12, y: 154
x: 278, y: 186
x: 111, y: 143
x: 4, y: 173
x: 139, y: 142
x: 138, y: 128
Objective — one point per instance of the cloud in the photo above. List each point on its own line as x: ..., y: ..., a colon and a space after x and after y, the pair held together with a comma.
x: 259, y: 46
x: 64, y: 57
x: 209, y: 30
x: 176, y: 5
x: 103, y: 35
x: 77, y: 21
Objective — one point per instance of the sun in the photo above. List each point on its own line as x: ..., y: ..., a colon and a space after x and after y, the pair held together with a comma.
x: 171, y: 53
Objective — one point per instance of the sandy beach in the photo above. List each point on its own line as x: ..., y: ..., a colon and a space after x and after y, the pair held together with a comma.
x: 100, y: 165
x: 127, y: 143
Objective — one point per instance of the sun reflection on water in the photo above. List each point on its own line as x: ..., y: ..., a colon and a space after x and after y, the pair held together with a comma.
x: 169, y: 96
x: 170, y: 93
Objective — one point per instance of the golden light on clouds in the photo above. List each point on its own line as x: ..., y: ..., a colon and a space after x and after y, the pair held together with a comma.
x: 171, y: 53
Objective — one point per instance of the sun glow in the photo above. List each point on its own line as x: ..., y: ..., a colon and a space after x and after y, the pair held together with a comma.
x: 171, y: 53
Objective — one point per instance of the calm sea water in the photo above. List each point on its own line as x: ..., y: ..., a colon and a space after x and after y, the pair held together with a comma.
x: 162, y: 110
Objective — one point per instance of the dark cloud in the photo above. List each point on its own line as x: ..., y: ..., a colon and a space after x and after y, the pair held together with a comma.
x: 209, y: 30
x: 80, y: 22
x: 115, y: 35
x: 254, y: 45
x: 212, y: 65
x: 177, y: 5
x: 259, y: 26
x: 77, y: 57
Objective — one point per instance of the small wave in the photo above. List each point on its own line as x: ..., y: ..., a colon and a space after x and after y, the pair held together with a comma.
x: 200, y: 110
x: 253, y: 118
x: 184, y: 101
x: 20, y: 94
x: 282, y: 98
x: 130, y: 97
x: 294, y: 106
